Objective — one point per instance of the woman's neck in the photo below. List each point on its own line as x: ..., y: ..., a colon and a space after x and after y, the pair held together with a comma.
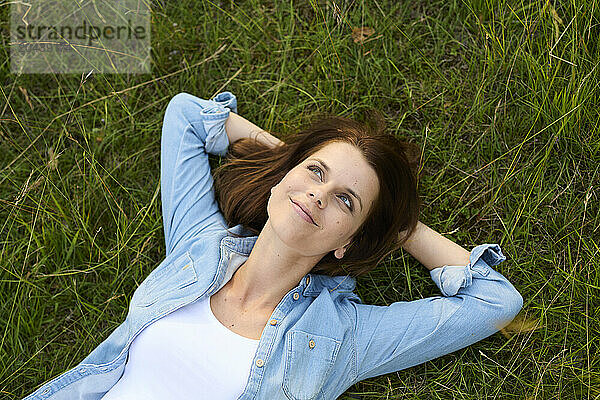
x: 270, y: 272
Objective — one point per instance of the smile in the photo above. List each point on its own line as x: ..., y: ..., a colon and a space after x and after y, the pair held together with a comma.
x: 302, y: 214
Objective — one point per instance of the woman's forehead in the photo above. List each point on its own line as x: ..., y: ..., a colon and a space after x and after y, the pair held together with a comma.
x: 345, y: 163
x: 341, y: 157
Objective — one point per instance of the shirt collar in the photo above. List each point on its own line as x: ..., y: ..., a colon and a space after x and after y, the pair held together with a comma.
x: 311, y: 284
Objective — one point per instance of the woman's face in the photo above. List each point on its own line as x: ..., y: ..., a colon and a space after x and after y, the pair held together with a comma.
x: 338, y: 192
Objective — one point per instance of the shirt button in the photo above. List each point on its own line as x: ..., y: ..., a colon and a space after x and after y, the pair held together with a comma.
x: 260, y: 363
x: 307, y: 280
x: 296, y: 296
x: 311, y: 344
x: 273, y: 322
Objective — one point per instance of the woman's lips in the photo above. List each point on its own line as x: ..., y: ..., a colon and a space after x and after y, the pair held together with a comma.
x: 301, y: 213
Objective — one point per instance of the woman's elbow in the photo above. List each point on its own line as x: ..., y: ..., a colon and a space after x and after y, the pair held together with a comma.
x: 512, y: 303
x: 179, y: 103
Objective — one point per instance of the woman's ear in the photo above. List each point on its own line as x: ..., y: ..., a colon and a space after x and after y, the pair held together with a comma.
x: 339, y: 253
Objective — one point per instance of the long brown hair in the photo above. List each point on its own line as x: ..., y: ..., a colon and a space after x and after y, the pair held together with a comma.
x: 243, y: 185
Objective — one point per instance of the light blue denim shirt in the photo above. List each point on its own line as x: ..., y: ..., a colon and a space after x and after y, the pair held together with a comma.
x: 321, y: 339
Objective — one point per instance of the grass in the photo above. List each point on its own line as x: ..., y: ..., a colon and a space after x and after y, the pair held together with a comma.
x: 502, y: 96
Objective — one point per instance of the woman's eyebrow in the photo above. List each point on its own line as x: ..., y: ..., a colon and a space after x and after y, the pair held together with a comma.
x: 347, y: 188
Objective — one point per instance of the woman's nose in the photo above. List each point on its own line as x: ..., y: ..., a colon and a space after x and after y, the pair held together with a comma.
x: 317, y: 196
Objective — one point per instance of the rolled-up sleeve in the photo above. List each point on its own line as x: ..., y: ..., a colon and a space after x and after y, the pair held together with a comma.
x: 477, y: 301
x: 192, y: 129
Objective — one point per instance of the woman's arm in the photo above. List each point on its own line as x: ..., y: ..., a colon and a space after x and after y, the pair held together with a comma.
x: 477, y: 301
x: 238, y: 128
x: 192, y: 129
x: 434, y: 250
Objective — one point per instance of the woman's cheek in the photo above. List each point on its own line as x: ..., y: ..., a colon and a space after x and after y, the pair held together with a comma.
x: 341, y: 228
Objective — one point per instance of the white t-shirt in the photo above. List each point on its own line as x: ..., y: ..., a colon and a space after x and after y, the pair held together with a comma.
x: 187, y: 354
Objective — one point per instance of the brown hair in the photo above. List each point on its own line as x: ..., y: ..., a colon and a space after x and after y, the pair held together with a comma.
x: 243, y: 185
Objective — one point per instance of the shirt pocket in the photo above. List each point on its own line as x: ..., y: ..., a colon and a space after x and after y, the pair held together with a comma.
x: 309, y: 359
x: 166, y: 278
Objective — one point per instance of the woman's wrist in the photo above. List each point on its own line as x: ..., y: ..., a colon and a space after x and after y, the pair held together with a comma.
x: 434, y: 250
x: 268, y: 139
x: 238, y: 127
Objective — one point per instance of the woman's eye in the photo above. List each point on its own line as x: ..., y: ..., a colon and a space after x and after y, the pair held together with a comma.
x: 313, y: 167
x: 349, y: 204
x: 316, y: 168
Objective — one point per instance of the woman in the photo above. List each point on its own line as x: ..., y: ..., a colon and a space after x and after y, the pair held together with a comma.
x: 229, y: 315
